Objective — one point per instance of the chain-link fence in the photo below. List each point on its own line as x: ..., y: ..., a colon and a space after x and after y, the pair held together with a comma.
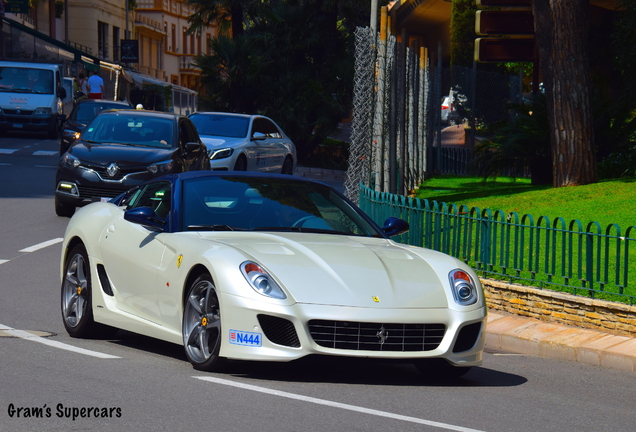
x: 390, y: 105
x: 398, y: 135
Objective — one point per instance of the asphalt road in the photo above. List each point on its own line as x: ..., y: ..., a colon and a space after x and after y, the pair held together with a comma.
x: 57, y: 383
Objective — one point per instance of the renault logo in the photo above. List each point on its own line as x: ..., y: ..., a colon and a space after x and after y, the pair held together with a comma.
x: 383, y: 335
x: 112, y: 170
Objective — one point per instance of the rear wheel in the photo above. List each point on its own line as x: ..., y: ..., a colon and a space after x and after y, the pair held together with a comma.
x: 202, y: 325
x: 64, y: 210
x: 77, y: 310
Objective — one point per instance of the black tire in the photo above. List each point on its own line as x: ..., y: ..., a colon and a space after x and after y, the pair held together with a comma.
x: 201, y: 328
x: 241, y: 164
x: 440, y: 369
x: 63, y: 210
x: 63, y: 146
x: 288, y: 166
x: 54, y: 132
x: 76, y: 301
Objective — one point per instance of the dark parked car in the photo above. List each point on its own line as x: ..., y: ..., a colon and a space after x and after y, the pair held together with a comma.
x: 120, y: 149
x: 83, y: 112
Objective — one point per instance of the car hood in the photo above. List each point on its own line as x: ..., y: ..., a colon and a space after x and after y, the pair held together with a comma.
x: 348, y: 271
x: 212, y: 142
x: 122, y: 154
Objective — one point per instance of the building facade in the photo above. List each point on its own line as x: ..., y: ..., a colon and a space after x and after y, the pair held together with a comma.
x: 167, y: 51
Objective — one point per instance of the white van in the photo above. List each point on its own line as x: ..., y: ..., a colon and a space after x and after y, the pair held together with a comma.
x: 31, y: 97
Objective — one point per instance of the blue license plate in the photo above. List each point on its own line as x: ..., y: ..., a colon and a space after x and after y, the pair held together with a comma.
x: 246, y: 338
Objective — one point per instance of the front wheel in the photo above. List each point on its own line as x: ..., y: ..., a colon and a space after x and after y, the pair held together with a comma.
x: 288, y: 166
x: 63, y: 210
x: 202, y: 325
x: 77, y: 310
x: 241, y: 164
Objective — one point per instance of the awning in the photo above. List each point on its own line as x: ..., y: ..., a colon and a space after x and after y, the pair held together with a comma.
x: 89, y: 61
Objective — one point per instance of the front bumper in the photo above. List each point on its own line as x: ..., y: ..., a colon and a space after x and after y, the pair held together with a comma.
x: 83, y: 186
x: 27, y: 121
x: 245, y: 316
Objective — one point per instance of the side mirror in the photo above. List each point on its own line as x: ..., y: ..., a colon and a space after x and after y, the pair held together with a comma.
x: 394, y: 226
x: 192, y: 148
x: 259, y: 136
x: 144, y: 216
x: 61, y: 92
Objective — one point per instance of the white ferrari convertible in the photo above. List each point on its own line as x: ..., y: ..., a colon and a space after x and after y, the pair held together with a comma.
x: 266, y: 267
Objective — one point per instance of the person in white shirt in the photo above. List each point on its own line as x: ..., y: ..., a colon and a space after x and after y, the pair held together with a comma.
x: 95, y: 86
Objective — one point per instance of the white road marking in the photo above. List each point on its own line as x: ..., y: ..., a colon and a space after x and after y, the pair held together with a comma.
x: 55, y: 344
x: 8, y: 151
x: 45, y: 152
x: 336, y: 404
x: 3, y: 261
x: 42, y: 245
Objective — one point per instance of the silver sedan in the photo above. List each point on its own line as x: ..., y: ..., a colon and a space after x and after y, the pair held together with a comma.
x: 243, y: 142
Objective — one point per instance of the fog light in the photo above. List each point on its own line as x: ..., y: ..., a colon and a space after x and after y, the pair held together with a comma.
x: 68, y: 188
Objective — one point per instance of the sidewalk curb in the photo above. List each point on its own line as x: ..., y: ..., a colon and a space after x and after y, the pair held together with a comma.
x: 542, y: 339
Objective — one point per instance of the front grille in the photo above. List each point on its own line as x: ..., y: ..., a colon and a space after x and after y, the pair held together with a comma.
x: 121, y: 173
x: 348, y: 335
x: 91, y: 193
x: 279, y: 330
x: 18, y: 112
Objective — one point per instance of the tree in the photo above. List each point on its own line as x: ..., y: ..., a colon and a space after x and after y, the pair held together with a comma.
x: 292, y: 64
x: 220, y: 13
x: 518, y: 146
x: 561, y: 35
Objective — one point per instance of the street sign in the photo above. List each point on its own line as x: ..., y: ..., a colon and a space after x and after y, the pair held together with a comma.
x: 130, y: 51
x: 504, y: 23
x: 503, y: 50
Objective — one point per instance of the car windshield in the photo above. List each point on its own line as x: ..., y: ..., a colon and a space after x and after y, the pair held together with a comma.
x: 128, y: 128
x: 85, y: 112
x: 269, y: 204
x: 26, y: 80
x: 221, y: 125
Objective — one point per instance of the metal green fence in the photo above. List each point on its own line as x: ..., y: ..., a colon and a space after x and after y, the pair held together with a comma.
x: 555, y: 254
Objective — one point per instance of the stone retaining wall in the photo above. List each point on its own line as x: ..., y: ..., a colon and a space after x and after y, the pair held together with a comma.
x: 554, y: 306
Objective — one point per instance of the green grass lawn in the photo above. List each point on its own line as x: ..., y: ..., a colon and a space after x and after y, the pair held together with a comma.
x: 607, y: 202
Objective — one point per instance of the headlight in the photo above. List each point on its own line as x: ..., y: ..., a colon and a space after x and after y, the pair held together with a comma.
x: 261, y: 281
x: 71, y: 134
x: 42, y: 110
x: 464, y: 289
x: 161, y: 167
x: 70, y: 161
x: 221, y: 153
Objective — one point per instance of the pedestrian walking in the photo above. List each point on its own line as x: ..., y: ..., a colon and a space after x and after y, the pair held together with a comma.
x: 83, y: 83
x: 95, y: 86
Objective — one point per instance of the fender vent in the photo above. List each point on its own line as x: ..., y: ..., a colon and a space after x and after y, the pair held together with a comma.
x: 279, y: 331
x: 103, y: 280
